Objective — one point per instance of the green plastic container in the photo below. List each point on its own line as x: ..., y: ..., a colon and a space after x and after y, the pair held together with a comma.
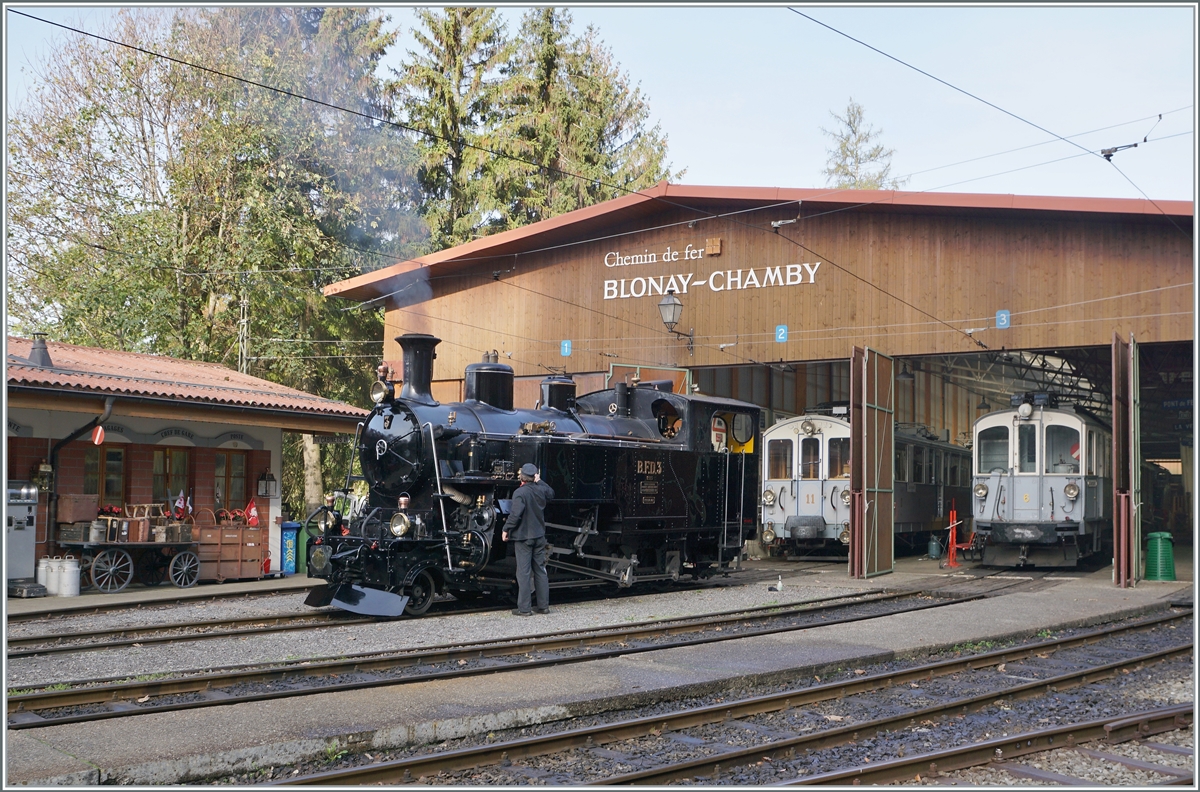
x: 1160, y: 557
x: 302, y: 552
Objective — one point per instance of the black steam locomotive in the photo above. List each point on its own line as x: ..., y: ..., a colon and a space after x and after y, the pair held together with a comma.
x: 650, y: 485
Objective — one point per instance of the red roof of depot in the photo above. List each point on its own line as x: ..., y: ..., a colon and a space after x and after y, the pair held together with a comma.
x: 580, y: 223
x: 105, y: 371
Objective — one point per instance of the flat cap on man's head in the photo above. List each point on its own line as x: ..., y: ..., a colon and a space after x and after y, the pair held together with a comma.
x: 529, y: 469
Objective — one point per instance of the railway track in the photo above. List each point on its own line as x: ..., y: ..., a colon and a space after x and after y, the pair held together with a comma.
x: 117, y: 637
x: 787, y: 734
x: 94, y: 604
x: 1000, y: 754
x: 88, y: 700
x: 92, y: 640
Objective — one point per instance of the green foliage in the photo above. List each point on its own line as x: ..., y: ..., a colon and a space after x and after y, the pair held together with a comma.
x: 150, y: 201
x: 573, y: 127
x: 333, y: 753
x: 857, y: 161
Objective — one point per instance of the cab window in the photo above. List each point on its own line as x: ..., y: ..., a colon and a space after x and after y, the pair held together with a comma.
x: 1027, y: 448
x: 839, y: 457
x: 810, y: 458
x: 918, y: 465
x: 1062, y: 449
x: 779, y: 459
x: 993, y: 450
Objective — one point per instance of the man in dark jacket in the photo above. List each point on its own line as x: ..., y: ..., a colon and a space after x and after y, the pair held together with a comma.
x: 526, y: 525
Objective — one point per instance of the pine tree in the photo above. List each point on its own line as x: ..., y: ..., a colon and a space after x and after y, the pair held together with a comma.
x: 858, y: 161
x: 449, y: 91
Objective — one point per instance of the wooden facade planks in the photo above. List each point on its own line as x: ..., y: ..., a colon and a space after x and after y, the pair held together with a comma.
x: 1067, y: 281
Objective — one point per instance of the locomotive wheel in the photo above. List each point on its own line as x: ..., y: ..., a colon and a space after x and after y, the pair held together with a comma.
x: 420, y: 594
x: 112, y: 570
x: 185, y: 569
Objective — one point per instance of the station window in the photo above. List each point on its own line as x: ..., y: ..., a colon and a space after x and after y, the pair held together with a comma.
x: 110, y: 471
x: 810, y: 458
x: 779, y: 459
x: 1027, y: 448
x: 839, y: 457
x: 993, y: 450
x: 229, y: 481
x: 1062, y: 449
x: 918, y: 465
x: 170, y: 473
x: 902, y: 463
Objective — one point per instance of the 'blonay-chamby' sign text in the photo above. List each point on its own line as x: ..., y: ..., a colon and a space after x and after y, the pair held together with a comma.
x: 718, y: 281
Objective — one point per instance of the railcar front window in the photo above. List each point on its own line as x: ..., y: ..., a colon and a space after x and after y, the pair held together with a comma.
x: 1062, y: 449
x: 993, y: 450
x: 810, y: 458
x: 902, y: 463
x: 779, y: 459
x: 839, y: 457
x: 1027, y: 448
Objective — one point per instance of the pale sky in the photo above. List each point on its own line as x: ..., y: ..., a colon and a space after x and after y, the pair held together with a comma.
x: 742, y: 92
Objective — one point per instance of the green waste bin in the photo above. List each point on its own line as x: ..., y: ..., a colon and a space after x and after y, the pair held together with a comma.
x: 1160, y: 556
x: 302, y: 551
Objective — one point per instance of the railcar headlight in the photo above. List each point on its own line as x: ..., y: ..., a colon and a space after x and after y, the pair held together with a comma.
x: 380, y: 391
x: 808, y: 427
x: 319, y: 558
x: 846, y: 496
x: 1071, y: 490
x: 400, y: 524
x: 769, y: 498
x: 981, y: 490
x: 768, y: 534
x: 1025, y: 410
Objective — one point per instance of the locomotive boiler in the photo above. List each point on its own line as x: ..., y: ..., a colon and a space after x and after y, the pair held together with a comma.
x: 806, y: 484
x: 650, y: 485
x: 1043, y: 483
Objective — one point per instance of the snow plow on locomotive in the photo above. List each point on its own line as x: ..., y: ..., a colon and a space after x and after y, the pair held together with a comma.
x: 650, y: 485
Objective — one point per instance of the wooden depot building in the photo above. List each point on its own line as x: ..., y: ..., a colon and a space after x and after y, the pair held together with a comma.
x: 974, y: 295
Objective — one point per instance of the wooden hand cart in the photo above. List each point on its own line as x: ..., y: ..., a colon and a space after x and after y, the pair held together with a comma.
x: 111, y: 566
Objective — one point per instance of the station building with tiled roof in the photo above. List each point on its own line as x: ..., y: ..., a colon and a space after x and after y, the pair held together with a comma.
x: 169, y: 425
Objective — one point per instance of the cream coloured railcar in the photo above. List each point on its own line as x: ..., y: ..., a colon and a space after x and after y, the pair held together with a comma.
x: 806, y: 484
x: 1043, y: 483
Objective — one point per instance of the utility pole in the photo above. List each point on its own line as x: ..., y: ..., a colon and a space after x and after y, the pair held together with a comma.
x: 244, y: 330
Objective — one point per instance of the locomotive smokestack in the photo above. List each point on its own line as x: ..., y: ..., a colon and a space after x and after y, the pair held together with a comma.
x: 418, y: 366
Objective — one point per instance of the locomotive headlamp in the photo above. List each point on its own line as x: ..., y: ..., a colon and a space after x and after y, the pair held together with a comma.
x: 809, y: 428
x: 1071, y: 490
x: 768, y: 534
x: 381, y: 391
x: 981, y: 490
x: 319, y: 558
x: 400, y: 524
x: 769, y: 498
x: 325, y: 520
x: 846, y: 496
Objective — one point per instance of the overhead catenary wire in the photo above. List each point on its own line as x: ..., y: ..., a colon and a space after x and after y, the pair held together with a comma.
x: 518, y: 159
x: 989, y: 104
x: 464, y: 143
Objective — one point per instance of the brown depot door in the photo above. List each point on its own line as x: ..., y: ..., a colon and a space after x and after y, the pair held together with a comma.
x: 1126, y: 464
x: 872, y: 419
